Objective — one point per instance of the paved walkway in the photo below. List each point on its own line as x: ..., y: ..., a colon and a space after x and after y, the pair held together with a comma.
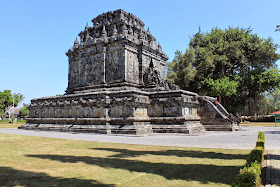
x: 243, y: 139
x: 273, y: 168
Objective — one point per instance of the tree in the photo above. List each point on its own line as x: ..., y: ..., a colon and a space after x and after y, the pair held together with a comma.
x: 273, y: 100
x: 234, y: 64
x: 222, y: 87
x: 6, y: 101
x: 24, y: 112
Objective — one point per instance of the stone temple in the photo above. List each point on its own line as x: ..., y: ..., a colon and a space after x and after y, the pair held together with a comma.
x: 117, y: 85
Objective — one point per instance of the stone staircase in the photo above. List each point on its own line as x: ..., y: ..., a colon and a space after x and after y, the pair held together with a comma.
x: 215, y: 117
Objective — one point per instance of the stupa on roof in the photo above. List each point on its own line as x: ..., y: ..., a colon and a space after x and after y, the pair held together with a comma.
x: 117, y: 84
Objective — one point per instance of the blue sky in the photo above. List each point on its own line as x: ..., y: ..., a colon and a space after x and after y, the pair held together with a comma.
x: 36, y: 34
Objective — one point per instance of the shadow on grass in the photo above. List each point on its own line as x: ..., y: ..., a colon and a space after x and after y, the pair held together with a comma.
x: 12, y: 177
x: 189, y: 172
x: 271, y: 132
x: 126, y: 153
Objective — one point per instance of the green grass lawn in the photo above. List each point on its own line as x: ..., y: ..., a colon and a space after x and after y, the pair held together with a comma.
x: 11, y: 125
x: 267, y: 124
x: 38, y: 161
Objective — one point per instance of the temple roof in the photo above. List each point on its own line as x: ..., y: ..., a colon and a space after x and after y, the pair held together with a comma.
x: 114, y: 26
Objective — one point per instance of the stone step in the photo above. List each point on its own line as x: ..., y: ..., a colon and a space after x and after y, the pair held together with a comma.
x: 171, y: 130
x: 218, y: 127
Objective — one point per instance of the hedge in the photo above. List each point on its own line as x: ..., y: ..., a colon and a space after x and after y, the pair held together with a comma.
x: 256, y: 155
x: 260, y: 143
x: 261, y: 136
x: 250, y: 174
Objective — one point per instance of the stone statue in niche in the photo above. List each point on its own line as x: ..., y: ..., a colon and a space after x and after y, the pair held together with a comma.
x: 151, y: 76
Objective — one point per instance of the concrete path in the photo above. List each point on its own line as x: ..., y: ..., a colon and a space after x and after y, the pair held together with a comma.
x: 244, y: 139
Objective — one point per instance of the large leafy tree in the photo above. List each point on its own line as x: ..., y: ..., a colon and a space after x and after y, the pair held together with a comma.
x: 234, y: 64
x: 273, y: 98
x: 6, y: 100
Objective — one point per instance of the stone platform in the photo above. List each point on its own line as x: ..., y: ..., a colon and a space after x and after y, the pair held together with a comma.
x: 114, y: 112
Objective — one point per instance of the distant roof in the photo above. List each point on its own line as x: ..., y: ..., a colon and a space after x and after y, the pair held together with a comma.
x: 277, y: 112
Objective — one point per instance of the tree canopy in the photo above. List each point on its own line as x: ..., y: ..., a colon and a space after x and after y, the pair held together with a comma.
x: 233, y: 64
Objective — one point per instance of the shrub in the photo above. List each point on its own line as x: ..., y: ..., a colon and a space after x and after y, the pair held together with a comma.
x: 255, y: 155
x: 261, y: 136
x: 248, y: 176
x: 260, y: 143
x: 24, y: 112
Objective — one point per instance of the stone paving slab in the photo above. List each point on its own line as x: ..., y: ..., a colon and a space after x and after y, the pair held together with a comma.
x: 273, y: 168
x: 243, y: 139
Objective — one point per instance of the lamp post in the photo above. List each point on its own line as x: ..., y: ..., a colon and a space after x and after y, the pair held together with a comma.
x: 13, y: 113
x: 14, y: 104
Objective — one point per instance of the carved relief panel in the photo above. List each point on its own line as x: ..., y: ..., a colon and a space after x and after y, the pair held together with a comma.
x: 115, y: 64
x: 132, y: 67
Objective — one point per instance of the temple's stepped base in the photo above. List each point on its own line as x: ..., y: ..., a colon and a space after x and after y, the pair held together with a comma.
x: 218, y: 128
x: 81, y: 129
x: 188, y: 129
x: 129, y: 112
x: 118, y: 112
x: 137, y: 129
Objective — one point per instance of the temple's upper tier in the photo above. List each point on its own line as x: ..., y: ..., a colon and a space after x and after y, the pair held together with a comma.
x: 116, y: 52
x: 117, y: 25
